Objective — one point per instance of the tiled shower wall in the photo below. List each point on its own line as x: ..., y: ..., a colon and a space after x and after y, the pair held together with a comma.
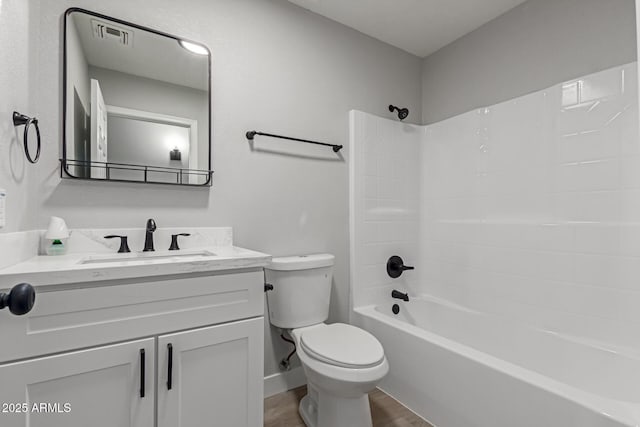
x: 528, y: 209
x: 531, y: 208
x: 384, y: 166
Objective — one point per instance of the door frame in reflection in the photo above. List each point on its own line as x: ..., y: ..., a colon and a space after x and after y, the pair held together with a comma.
x: 148, y: 116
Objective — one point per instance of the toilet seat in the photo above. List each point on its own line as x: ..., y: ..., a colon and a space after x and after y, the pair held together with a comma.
x: 342, y: 345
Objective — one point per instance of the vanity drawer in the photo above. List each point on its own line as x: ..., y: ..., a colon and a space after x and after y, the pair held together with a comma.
x: 106, y: 312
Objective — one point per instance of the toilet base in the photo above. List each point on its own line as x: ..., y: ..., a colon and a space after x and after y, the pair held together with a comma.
x: 319, y: 409
x: 308, y: 412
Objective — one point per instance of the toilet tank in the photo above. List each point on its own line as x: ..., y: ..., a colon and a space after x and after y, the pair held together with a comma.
x: 301, y: 290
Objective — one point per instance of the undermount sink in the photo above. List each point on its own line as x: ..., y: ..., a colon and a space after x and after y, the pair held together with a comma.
x: 144, y: 256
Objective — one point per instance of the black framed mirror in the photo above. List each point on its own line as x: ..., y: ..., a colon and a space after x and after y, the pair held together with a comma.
x: 136, y: 101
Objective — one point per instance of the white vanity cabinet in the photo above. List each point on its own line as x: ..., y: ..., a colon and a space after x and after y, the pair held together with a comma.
x: 103, y: 349
x: 99, y: 387
x: 211, y: 376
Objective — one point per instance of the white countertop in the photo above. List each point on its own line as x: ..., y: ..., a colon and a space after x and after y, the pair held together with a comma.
x: 43, y: 270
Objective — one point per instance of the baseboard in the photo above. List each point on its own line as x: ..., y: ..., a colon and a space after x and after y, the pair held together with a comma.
x: 283, y: 381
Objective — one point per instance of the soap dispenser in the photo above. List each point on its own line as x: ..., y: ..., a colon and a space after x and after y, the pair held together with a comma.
x: 56, y: 236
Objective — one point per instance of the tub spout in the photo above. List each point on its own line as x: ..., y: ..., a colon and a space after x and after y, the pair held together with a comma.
x: 399, y: 295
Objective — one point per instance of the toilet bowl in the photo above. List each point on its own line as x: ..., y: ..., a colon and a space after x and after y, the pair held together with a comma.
x: 342, y: 363
x: 339, y: 377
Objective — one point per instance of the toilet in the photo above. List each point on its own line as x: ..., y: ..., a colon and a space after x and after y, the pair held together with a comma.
x: 342, y: 363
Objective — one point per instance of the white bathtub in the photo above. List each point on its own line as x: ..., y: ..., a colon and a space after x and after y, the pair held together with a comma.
x: 460, y: 368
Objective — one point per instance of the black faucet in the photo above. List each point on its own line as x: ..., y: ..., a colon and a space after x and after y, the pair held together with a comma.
x: 174, y: 241
x: 148, y: 238
x: 399, y: 295
x: 124, y: 244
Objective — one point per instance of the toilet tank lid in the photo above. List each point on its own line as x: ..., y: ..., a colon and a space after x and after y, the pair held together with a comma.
x: 300, y: 262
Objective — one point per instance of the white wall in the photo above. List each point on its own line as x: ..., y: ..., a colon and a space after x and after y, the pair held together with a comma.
x: 139, y: 93
x: 142, y: 142
x: 276, y: 67
x: 529, y: 48
x: 16, y: 43
x: 638, y: 34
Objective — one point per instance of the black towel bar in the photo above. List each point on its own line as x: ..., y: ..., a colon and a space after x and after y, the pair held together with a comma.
x: 251, y: 135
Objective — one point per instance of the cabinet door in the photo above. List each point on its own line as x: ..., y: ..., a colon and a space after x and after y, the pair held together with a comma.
x: 212, y: 376
x: 99, y: 387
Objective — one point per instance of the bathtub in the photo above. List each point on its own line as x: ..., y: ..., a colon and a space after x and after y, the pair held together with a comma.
x: 456, y: 367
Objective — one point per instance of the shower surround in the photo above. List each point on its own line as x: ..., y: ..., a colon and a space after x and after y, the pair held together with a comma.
x: 524, y: 214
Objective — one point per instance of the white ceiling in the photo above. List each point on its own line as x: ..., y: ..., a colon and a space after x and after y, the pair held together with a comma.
x: 151, y: 55
x: 420, y: 27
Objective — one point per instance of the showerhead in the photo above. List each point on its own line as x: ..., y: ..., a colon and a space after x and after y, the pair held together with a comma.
x: 403, y: 113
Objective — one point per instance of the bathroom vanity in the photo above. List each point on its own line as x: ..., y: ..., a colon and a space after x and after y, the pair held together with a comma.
x: 171, y: 338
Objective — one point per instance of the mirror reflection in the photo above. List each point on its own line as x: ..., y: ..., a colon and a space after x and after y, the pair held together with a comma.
x: 137, y: 103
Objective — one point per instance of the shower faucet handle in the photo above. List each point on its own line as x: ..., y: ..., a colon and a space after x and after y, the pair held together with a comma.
x: 395, y: 267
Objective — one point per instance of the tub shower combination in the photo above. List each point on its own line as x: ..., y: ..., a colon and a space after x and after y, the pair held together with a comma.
x: 459, y: 367
x: 519, y: 219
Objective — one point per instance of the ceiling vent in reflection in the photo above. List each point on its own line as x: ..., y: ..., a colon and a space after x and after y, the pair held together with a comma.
x: 107, y: 31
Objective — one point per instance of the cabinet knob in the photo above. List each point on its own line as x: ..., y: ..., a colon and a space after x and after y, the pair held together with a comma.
x: 20, y: 299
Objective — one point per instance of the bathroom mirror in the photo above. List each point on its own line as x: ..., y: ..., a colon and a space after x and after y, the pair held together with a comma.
x: 136, y: 103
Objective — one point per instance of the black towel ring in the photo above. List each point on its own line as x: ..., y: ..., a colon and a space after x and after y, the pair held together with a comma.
x: 22, y: 120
